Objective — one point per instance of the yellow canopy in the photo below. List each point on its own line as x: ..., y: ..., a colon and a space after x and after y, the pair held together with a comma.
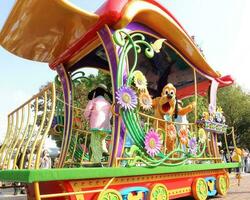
x: 41, y: 30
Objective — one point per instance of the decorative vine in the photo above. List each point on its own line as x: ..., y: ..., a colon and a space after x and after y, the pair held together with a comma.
x: 134, y: 42
x: 77, y: 78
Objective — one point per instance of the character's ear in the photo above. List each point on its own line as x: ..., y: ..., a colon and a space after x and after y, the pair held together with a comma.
x: 176, y: 108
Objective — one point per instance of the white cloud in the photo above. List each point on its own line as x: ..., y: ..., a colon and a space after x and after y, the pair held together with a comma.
x: 3, y: 127
x: 239, y: 64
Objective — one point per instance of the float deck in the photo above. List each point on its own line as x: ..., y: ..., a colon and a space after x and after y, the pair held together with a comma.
x: 40, y: 175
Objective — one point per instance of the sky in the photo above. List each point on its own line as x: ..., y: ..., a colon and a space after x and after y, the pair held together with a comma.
x: 221, y: 28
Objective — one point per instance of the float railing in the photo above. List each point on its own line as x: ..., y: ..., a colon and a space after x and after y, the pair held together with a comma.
x: 182, y: 152
x: 28, y: 127
x: 79, y: 152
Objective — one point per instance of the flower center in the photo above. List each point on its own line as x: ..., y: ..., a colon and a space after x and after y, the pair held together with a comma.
x: 139, y: 81
x: 152, y: 143
x: 145, y: 100
x: 126, y: 98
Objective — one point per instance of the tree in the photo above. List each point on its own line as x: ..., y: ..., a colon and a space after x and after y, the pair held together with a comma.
x: 202, y: 106
x: 236, y: 106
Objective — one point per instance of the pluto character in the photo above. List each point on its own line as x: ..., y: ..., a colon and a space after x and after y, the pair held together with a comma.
x: 166, y: 107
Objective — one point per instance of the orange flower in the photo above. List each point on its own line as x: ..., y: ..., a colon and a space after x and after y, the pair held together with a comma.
x: 171, y: 131
x: 145, y: 101
x: 183, y: 136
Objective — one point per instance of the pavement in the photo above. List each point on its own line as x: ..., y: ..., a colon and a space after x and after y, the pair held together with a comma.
x: 235, y: 192
x: 7, y: 194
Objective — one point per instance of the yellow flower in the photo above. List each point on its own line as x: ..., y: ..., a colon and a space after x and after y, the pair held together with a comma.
x: 145, y: 101
x: 140, y: 80
x: 202, y: 135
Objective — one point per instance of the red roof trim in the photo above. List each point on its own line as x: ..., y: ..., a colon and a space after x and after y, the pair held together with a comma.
x: 189, y: 90
x: 225, y: 81
x: 203, y: 87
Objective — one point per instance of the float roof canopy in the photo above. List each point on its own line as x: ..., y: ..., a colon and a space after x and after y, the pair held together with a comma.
x: 55, y: 31
x: 41, y: 30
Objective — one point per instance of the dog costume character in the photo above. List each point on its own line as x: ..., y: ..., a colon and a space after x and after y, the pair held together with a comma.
x: 166, y: 105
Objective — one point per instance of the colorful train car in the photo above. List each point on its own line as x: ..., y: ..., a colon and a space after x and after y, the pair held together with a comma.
x: 158, y: 147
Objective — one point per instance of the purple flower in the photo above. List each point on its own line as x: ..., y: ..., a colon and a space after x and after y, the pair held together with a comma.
x: 152, y: 143
x: 126, y: 98
x: 193, y: 146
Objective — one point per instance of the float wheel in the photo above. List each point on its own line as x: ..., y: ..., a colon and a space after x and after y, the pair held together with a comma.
x: 159, y: 192
x: 222, y: 184
x: 200, y: 189
x: 110, y: 194
x: 228, y: 180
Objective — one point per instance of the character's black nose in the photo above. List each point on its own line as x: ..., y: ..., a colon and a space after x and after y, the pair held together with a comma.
x: 169, y: 96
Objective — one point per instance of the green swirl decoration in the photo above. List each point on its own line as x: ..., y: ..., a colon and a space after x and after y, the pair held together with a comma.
x: 222, y: 185
x: 128, y: 43
x: 77, y: 78
x: 159, y: 191
x: 133, y: 43
x: 201, y: 189
x: 110, y: 194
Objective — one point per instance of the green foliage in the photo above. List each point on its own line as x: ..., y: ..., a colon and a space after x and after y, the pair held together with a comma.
x: 236, y: 106
x: 202, y: 106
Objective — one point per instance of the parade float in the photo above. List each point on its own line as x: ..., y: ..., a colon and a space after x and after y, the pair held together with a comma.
x: 153, y: 151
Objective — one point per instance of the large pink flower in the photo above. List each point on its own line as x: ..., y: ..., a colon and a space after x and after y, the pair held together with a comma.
x: 152, y: 143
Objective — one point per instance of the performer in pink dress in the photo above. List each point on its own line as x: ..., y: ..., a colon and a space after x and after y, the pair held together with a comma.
x: 98, y: 114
